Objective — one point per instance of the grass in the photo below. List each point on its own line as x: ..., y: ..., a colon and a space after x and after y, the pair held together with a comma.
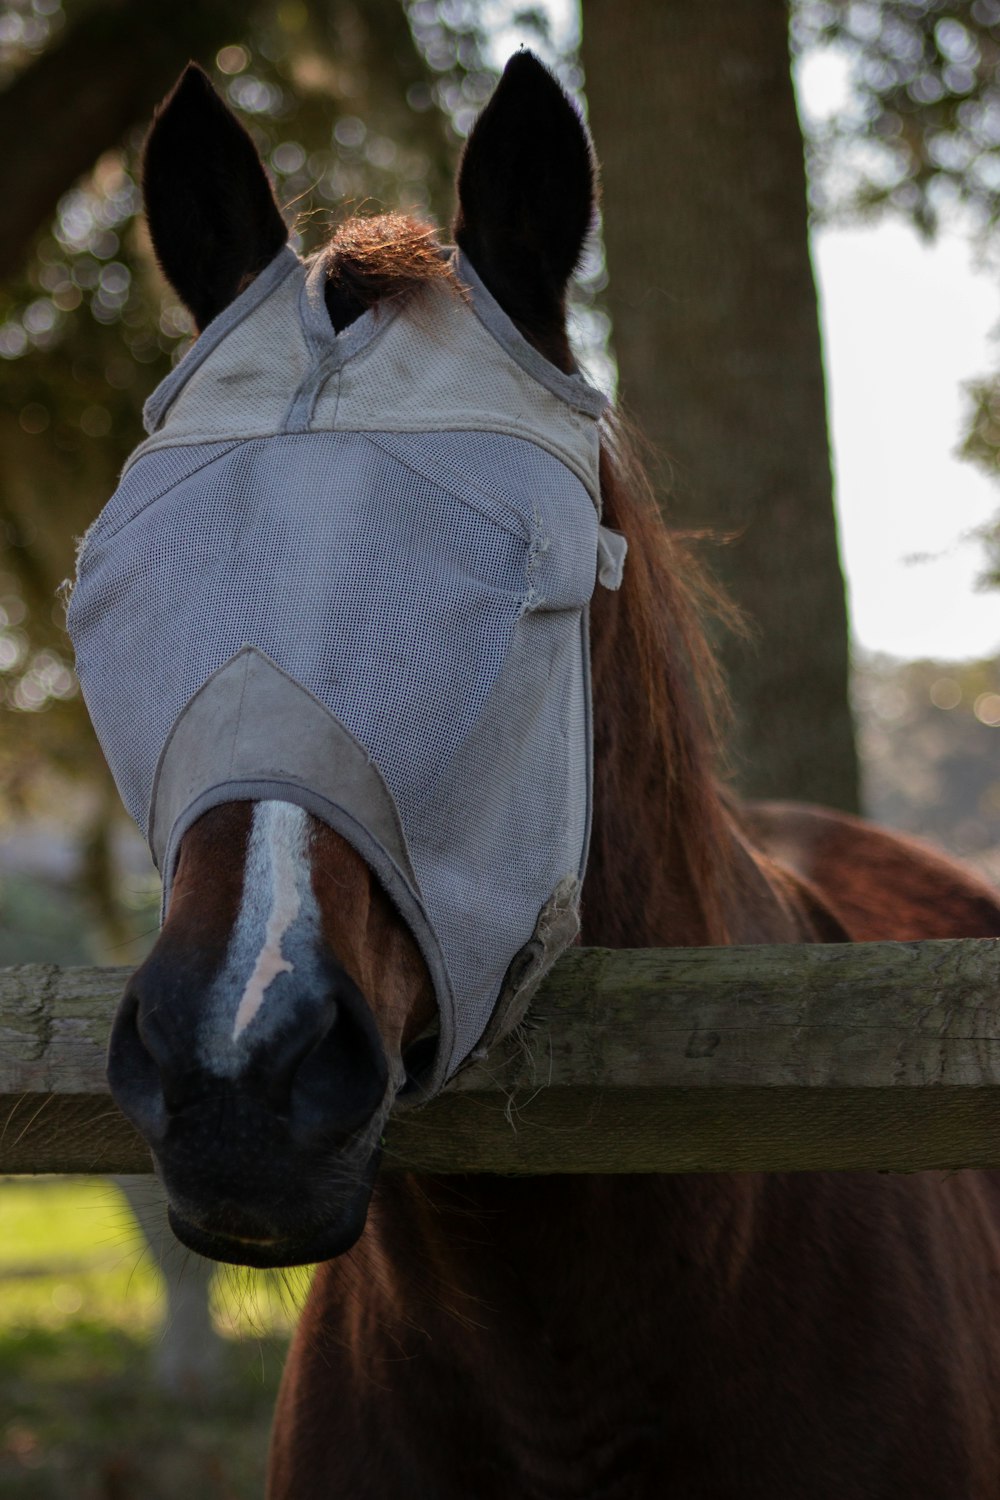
x: 70, y: 1249
x: 82, y: 1419
x: 82, y: 1304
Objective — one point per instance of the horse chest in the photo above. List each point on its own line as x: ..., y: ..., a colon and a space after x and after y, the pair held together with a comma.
x: 677, y: 1356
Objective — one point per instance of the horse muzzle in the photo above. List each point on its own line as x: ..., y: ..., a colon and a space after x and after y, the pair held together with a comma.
x: 268, y: 1152
x: 236, y: 1235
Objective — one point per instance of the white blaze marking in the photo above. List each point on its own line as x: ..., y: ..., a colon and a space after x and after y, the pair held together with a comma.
x: 275, y: 859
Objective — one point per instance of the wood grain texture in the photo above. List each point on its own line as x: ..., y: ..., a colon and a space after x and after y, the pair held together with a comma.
x: 878, y: 1056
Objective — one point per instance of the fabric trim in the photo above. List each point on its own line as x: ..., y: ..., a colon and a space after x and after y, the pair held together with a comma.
x: 284, y: 263
x: 323, y: 339
x: 612, y: 549
x: 572, y: 389
x: 258, y: 722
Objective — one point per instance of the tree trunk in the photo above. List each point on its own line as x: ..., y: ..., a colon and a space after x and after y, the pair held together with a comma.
x: 716, y: 331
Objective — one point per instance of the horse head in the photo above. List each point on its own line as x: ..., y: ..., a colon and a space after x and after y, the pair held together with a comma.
x: 332, y: 632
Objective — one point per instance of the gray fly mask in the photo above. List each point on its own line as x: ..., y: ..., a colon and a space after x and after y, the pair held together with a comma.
x: 352, y: 572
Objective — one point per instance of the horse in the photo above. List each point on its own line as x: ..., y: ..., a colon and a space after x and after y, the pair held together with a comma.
x: 582, y: 1337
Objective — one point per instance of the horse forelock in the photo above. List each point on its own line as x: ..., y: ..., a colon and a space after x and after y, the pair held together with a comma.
x: 376, y: 258
x: 380, y: 258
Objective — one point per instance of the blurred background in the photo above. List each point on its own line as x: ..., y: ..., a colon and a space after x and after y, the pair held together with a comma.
x: 799, y: 258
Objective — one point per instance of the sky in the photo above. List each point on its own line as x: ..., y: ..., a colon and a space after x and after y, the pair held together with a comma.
x: 904, y: 325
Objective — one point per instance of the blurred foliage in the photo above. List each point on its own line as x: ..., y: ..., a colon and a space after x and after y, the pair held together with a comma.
x: 981, y: 445
x: 929, y: 739
x: 920, y: 131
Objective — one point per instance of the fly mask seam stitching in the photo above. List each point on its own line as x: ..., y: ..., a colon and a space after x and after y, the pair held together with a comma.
x: 206, y: 463
x: 437, y: 473
x: 239, y: 715
x: 336, y: 399
x: 318, y: 346
x: 301, y: 409
x: 536, y: 549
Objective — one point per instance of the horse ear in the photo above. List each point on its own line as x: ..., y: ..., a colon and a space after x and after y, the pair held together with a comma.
x: 527, y: 194
x: 212, y: 216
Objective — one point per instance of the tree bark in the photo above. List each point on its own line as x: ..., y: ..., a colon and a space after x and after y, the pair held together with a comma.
x: 715, y: 326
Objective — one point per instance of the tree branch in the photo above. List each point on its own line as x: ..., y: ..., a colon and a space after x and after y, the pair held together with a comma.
x: 106, y: 73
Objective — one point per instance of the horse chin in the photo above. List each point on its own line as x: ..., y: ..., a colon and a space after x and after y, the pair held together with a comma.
x: 234, y: 1250
x: 225, y: 1233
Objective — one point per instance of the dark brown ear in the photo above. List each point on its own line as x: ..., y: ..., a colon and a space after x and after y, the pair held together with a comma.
x: 212, y: 216
x: 527, y: 194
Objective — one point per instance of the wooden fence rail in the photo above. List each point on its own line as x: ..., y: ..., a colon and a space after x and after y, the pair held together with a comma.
x: 876, y: 1055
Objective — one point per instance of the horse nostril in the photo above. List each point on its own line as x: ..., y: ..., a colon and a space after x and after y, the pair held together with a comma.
x: 150, y: 1075
x: 272, y: 1074
x: 134, y: 1075
x: 324, y: 1072
x: 341, y: 1078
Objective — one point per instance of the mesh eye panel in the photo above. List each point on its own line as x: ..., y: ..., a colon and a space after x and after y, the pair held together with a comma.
x: 391, y: 599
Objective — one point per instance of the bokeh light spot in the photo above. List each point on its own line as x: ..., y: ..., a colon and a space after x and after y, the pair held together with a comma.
x: 34, y: 417
x: 95, y: 421
x: 349, y: 131
x: 232, y: 60
x: 13, y: 341
x: 945, y: 693
x: 287, y: 158
x: 987, y: 709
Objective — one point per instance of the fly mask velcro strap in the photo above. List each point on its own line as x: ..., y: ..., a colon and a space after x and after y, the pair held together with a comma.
x: 353, y: 572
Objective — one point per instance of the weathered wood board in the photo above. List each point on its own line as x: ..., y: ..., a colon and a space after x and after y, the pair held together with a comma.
x: 877, y: 1056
